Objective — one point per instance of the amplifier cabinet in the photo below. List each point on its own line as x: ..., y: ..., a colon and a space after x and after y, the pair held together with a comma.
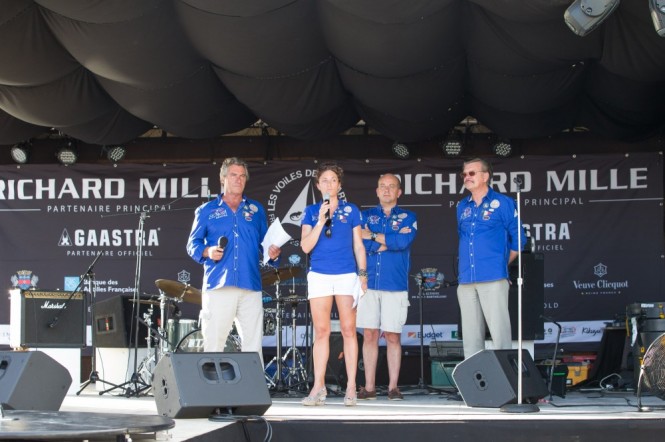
x: 41, y: 318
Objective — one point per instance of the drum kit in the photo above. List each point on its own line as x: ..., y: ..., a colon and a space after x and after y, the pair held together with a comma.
x: 284, y: 372
x: 174, y: 334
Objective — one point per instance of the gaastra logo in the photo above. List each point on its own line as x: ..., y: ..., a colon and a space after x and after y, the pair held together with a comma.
x: 108, y: 237
x: 429, y: 278
x: 24, y: 279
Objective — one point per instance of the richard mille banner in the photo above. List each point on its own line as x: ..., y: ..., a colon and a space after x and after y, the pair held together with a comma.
x: 597, y: 220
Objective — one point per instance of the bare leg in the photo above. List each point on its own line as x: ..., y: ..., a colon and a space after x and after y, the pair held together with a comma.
x: 394, y: 356
x: 347, y: 317
x: 370, y: 357
x: 320, y: 309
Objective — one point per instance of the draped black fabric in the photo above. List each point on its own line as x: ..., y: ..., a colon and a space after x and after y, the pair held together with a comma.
x: 107, y: 71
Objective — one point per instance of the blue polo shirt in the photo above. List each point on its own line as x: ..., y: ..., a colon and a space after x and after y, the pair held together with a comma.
x: 487, y: 234
x: 389, y: 270
x: 244, y: 229
x: 334, y: 255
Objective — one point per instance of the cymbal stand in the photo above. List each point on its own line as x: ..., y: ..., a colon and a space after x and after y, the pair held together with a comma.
x: 276, y: 381
x: 297, y: 374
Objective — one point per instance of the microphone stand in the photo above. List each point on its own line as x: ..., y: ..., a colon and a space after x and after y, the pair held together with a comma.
x: 92, y: 289
x: 519, y: 407
x: 136, y: 385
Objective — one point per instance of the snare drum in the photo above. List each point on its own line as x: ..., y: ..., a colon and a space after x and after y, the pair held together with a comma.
x: 193, y: 343
x: 177, y: 329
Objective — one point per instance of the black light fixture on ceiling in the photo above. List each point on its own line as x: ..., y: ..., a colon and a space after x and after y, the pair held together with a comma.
x: 502, y: 147
x: 401, y: 150
x: 21, y: 152
x: 453, y: 145
x: 67, y: 154
x: 657, y: 8
x: 583, y: 16
x: 116, y: 153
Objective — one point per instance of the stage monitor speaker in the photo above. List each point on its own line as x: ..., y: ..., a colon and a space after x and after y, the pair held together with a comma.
x: 42, y: 318
x: 32, y: 380
x: 114, y: 322
x: 193, y: 385
x: 489, y: 379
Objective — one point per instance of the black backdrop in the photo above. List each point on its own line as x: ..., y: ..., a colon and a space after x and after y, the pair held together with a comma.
x: 598, y: 221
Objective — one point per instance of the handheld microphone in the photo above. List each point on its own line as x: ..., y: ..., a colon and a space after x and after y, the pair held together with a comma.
x: 326, y: 199
x: 221, y: 243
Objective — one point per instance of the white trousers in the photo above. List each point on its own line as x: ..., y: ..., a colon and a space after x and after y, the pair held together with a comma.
x: 221, y: 307
x: 484, y: 302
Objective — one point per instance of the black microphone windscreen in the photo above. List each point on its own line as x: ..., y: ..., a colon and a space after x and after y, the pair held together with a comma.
x: 222, y: 242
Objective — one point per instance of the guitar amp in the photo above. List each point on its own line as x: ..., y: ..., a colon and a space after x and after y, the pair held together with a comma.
x: 40, y: 318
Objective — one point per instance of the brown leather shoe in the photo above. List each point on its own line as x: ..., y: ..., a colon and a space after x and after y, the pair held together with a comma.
x: 395, y: 395
x: 365, y: 395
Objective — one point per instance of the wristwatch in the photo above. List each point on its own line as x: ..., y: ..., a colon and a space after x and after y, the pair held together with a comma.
x: 373, y: 236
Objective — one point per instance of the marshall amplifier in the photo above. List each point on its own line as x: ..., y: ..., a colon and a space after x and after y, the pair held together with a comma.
x: 41, y: 318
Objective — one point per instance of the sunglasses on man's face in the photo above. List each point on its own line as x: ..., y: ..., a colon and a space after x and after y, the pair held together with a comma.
x: 470, y: 173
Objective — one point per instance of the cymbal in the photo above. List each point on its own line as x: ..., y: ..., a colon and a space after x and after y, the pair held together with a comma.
x: 176, y: 289
x: 145, y: 301
x: 273, y: 275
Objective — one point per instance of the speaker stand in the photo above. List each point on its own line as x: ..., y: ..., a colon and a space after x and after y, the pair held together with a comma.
x: 519, y: 407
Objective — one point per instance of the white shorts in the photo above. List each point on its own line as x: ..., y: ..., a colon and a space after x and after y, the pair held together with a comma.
x: 321, y: 285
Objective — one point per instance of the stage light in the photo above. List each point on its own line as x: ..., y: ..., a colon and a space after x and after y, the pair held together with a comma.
x: 453, y: 146
x: 116, y: 153
x: 401, y: 150
x: 583, y: 16
x: 657, y: 8
x: 21, y: 152
x: 502, y: 148
x: 67, y: 155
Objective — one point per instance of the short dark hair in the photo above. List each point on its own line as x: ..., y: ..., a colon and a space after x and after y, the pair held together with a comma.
x: 324, y: 167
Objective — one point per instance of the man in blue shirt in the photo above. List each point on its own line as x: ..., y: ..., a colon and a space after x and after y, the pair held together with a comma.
x: 488, y: 241
x: 388, y: 236
x: 231, y: 280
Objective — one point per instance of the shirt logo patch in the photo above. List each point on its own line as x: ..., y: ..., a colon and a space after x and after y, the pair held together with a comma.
x: 495, y: 204
x: 218, y: 213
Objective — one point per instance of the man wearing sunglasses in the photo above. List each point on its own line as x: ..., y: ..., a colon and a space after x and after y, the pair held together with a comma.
x: 488, y: 228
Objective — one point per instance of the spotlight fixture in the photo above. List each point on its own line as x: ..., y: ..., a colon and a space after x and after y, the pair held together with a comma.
x: 116, y: 153
x: 21, y: 152
x: 657, y: 8
x: 453, y: 145
x: 502, y: 148
x: 67, y: 155
x: 583, y: 16
x: 401, y: 150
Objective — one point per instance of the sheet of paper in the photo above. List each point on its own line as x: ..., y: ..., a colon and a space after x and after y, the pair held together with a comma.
x: 275, y: 235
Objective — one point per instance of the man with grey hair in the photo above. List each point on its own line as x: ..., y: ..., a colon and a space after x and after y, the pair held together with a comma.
x: 226, y: 238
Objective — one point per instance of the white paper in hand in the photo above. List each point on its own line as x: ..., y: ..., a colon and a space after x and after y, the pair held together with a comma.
x: 275, y: 235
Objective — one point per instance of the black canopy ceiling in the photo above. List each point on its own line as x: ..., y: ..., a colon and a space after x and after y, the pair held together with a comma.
x: 105, y: 72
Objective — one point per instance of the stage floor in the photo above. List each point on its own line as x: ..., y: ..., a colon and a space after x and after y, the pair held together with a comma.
x: 580, y: 416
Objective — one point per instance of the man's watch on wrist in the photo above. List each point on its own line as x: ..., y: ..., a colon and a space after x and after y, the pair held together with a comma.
x: 372, y: 236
